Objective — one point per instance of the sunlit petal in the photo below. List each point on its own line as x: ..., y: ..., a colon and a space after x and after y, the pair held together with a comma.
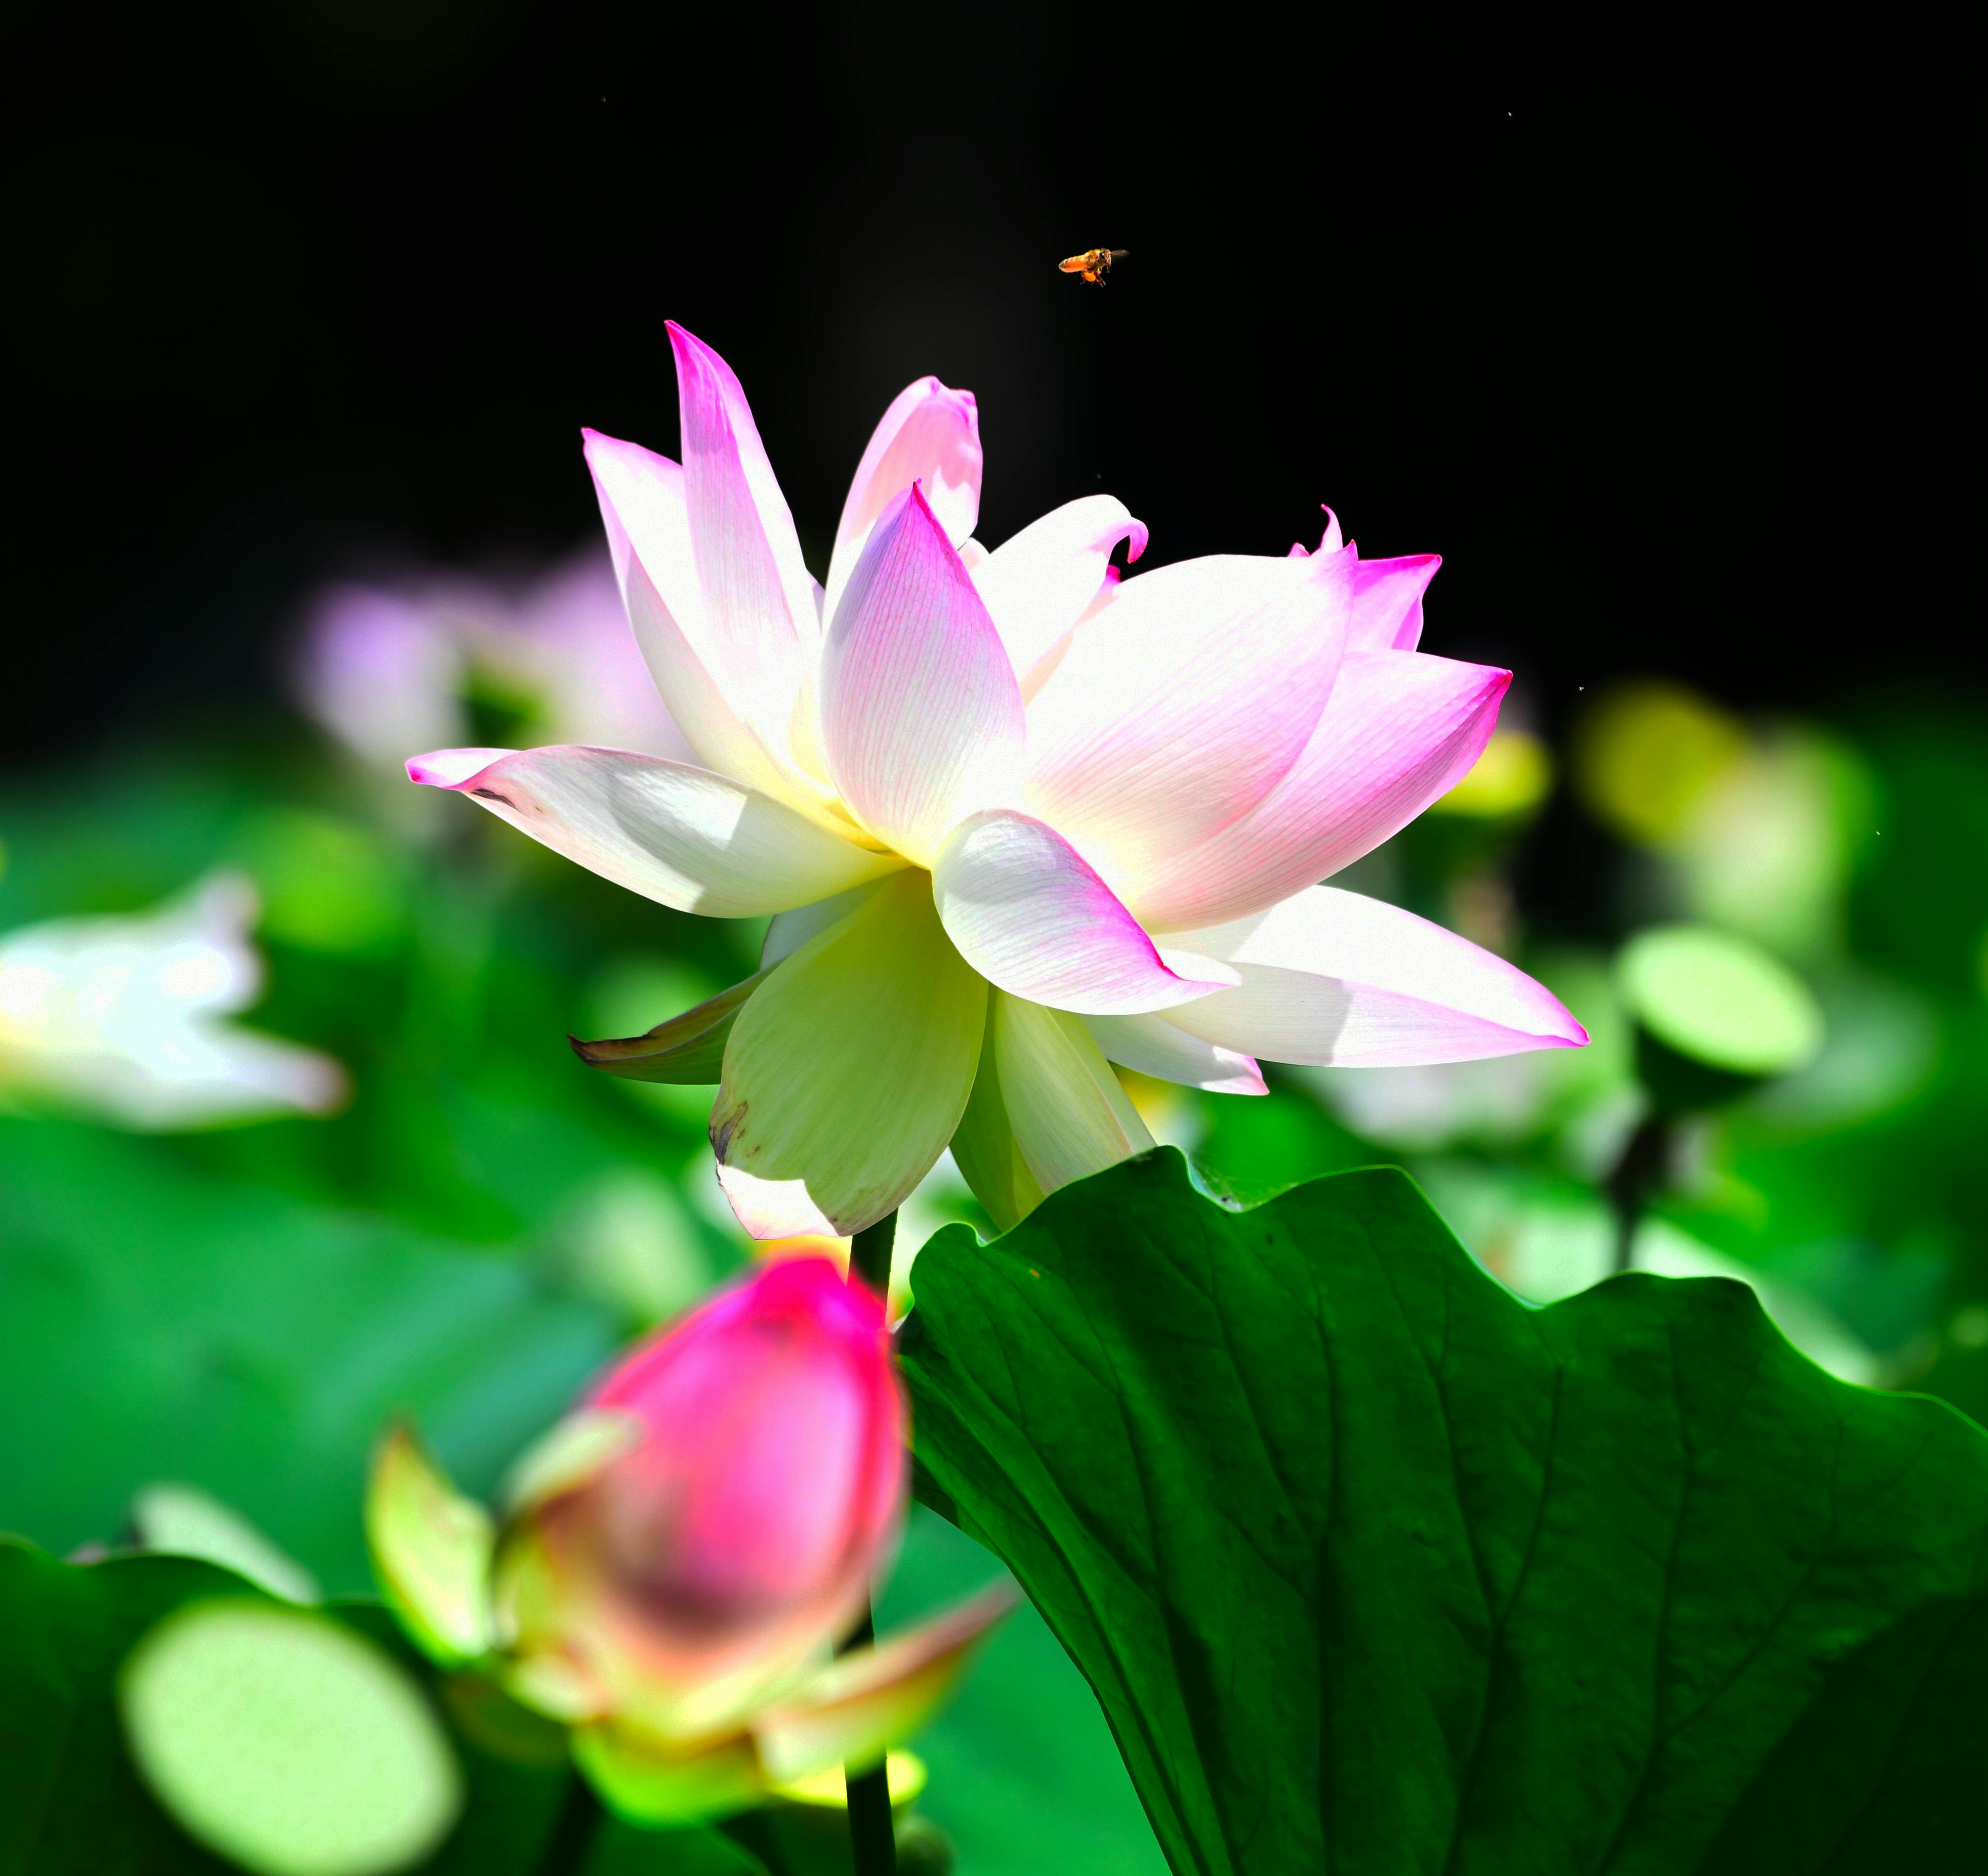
x: 1028, y: 914
x: 685, y: 836
x: 1332, y: 977
x: 849, y: 1070
x: 921, y: 717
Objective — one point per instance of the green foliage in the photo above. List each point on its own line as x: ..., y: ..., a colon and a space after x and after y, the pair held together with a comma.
x: 71, y: 1804
x: 156, y: 1322
x: 1374, y: 1568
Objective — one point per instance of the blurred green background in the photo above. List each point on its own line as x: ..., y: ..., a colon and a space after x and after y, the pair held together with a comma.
x: 209, y: 1287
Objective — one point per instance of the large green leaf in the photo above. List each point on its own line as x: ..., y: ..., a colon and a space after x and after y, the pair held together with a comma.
x: 1375, y: 1568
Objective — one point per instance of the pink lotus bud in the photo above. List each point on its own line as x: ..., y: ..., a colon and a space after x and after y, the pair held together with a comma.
x: 744, y: 1483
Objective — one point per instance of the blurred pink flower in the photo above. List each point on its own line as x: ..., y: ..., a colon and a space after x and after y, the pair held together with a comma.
x: 383, y: 667
x: 681, y: 1553
x: 124, y: 1017
x: 1016, y: 819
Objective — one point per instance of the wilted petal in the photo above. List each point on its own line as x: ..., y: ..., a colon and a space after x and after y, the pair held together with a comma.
x: 930, y: 436
x: 1154, y: 1046
x: 921, y: 718
x: 1400, y: 730
x: 683, y: 836
x: 1181, y: 704
x: 854, y: 1710
x: 732, y: 693
x: 1070, y: 1116
x: 848, y: 1071
x: 1388, y: 602
x: 1333, y: 977
x: 688, y: 1050
x: 1037, y: 583
x: 1028, y: 914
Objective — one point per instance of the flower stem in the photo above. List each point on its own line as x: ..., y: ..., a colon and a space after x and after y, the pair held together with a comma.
x: 870, y: 1254
x: 872, y: 1844
x: 573, y: 1835
x: 1637, y: 1176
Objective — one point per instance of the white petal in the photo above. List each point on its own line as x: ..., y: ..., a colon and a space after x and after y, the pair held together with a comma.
x: 1154, y: 1046
x: 1028, y: 914
x: 685, y: 836
x: 1037, y: 583
x: 1070, y: 1116
x: 1330, y: 976
x: 1181, y: 705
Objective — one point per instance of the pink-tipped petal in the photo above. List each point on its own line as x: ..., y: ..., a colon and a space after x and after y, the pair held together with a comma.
x: 1400, y: 730
x: 921, y: 718
x: 1333, y: 977
x: 1154, y: 1046
x: 1028, y: 914
x: 1037, y: 583
x: 755, y: 584
x: 1182, y: 704
x: 451, y: 768
x: 732, y: 696
x: 681, y: 836
x: 1388, y: 602
x: 930, y: 436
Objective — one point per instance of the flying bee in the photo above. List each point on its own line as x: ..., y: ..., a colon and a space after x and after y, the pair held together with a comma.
x: 1094, y: 266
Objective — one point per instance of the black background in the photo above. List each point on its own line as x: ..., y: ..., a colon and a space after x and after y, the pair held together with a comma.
x: 1666, y: 332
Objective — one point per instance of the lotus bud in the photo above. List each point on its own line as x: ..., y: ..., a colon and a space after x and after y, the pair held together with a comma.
x: 680, y: 1555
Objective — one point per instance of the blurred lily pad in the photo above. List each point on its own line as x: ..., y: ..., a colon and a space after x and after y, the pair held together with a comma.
x: 288, y: 1742
x: 1719, y: 1000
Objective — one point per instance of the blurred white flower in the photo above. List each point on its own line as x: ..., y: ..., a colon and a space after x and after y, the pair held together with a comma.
x: 122, y: 1017
x: 386, y: 669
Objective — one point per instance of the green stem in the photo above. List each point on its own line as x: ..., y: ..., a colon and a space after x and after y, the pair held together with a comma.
x: 870, y: 1254
x: 873, y: 1843
x: 1638, y: 1173
x: 573, y: 1835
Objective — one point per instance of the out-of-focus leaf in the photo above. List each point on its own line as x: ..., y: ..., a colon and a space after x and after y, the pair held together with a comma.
x: 287, y: 1741
x: 183, y: 1521
x: 70, y: 1803
x: 431, y: 1548
x: 1375, y: 1568
x: 1719, y: 1000
x: 157, y: 1324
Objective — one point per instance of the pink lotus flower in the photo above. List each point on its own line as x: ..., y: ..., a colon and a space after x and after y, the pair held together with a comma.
x: 681, y: 1551
x: 1016, y: 819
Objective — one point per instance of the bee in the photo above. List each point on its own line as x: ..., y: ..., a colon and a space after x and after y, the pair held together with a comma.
x: 1094, y: 266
